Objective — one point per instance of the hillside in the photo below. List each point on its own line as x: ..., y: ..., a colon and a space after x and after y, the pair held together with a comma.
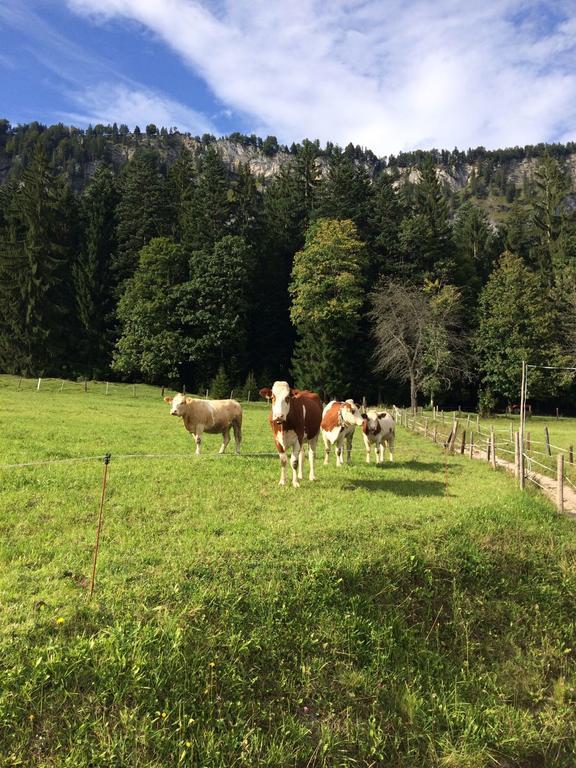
x: 496, y: 177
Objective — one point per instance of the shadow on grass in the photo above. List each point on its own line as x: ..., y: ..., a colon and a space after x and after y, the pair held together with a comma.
x: 399, y: 487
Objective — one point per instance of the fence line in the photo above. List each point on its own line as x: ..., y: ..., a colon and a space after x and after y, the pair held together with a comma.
x: 488, y: 447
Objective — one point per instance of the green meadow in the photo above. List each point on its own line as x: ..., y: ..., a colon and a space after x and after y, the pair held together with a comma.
x: 413, y: 614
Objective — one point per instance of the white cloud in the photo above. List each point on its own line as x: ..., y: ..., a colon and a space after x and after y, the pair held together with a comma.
x: 114, y: 103
x: 389, y: 75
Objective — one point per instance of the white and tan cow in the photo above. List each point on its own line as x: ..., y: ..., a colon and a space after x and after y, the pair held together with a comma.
x: 295, y: 419
x: 339, y: 420
x: 378, y: 428
x: 211, y: 416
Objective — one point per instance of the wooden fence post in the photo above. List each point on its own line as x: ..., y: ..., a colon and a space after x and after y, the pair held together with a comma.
x: 516, y: 454
x: 453, y: 435
x: 493, y: 452
x: 478, y: 423
x: 471, y: 445
x: 426, y: 427
x: 571, y: 454
x: 547, y: 435
x: 435, y: 434
x: 463, y: 443
x: 560, y: 483
x: 38, y: 385
x: 528, y: 443
x: 488, y: 446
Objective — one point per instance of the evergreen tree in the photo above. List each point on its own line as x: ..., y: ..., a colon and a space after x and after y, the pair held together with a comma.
x: 150, y: 344
x: 386, y: 213
x: 327, y: 290
x: 554, y: 225
x: 345, y: 192
x: 34, y: 257
x: 144, y: 212
x: 182, y: 182
x: 207, y: 218
x: 477, y: 247
x: 213, y: 309
x: 92, y: 271
x: 517, y: 321
x: 246, y: 207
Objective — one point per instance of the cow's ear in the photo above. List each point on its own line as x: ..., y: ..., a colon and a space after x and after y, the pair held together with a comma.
x: 188, y: 399
x: 265, y: 392
x: 382, y: 414
x: 364, y: 415
x: 295, y: 392
x: 167, y: 399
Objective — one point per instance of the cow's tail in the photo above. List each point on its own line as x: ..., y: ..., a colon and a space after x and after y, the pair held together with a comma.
x: 237, y: 427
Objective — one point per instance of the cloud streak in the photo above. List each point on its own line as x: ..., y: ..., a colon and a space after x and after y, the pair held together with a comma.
x: 93, y: 84
x: 109, y: 103
x: 389, y: 75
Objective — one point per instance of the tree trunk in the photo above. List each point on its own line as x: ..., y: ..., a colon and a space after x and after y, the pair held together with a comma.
x: 413, y: 394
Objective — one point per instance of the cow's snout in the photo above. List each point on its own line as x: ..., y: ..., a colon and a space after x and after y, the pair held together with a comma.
x: 173, y: 413
x: 279, y: 420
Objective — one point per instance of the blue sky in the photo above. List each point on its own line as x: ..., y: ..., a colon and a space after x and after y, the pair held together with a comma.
x: 390, y: 75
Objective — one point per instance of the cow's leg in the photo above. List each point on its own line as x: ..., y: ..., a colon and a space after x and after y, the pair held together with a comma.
x: 368, y: 448
x: 301, y: 463
x: 340, y: 451
x: 225, y: 439
x: 283, y: 462
x: 312, y: 456
x: 327, y: 447
x: 380, y: 452
x: 390, y: 448
x: 198, y: 439
x: 294, y: 460
x: 348, y: 448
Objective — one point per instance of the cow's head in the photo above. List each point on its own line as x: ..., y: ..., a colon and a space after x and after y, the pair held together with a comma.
x: 178, y: 404
x: 372, y: 422
x: 280, y: 396
x: 351, y: 414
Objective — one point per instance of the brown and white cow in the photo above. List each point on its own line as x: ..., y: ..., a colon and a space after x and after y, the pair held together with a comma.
x: 295, y: 418
x: 378, y: 427
x: 339, y: 420
x: 211, y: 416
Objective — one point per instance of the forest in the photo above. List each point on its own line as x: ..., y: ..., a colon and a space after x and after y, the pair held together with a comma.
x: 145, y: 256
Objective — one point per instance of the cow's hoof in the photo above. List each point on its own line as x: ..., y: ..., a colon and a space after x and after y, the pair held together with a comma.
x: 296, y: 485
x: 282, y: 482
x: 312, y: 478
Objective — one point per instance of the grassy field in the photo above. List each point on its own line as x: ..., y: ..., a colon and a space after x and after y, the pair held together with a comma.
x: 374, y: 618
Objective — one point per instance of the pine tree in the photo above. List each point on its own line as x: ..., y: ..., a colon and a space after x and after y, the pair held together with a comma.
x: 213, y: 309
x: 345, y: 193
x: 207, y: 217
x: 92, y: 271
x: 327, y: 290
x: 150, y: 343
x: 144, y: 212
x: 34, y: 257
x: 518, y: 321
x: 386, y: 213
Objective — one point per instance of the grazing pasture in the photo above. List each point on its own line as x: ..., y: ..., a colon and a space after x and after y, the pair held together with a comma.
x: 373, y: 618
